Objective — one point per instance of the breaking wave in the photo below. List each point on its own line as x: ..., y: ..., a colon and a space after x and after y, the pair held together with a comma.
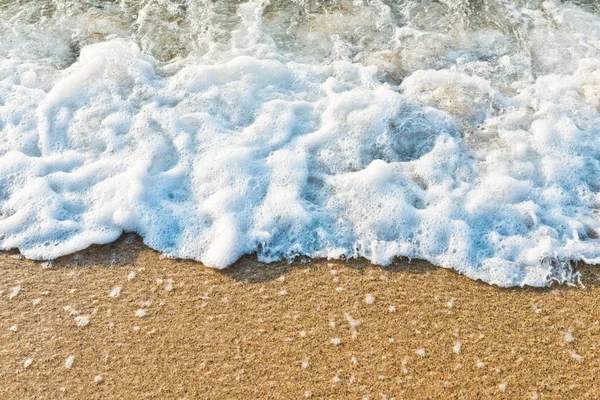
x: 462, y: 132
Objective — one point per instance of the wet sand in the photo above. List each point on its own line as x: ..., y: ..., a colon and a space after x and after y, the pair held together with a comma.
x: 316, y: 329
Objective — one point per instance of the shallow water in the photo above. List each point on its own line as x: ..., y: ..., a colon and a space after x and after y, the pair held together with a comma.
x: 462, y: 132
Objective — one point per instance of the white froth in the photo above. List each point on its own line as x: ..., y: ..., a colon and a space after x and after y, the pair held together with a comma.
x: 569, y: 338
x: 82, y: 320
x: 141, y: 313
x: 354, y: 323
x: 14, y: 292
x: 465, y: 137
x: 69, y: 362
x: 116, y: 292
x: 71, y: 310
x: 457, y: 347
x: 576, y: 356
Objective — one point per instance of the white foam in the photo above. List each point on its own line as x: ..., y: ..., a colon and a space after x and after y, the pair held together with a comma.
x: 569, y: 338
x: 576, y: 356
x: 141, y: 313
x: 14, y: 292
x: 459, y: 136
x: 82, y: 320
x: 116, y: 292
x: 71, y: 310
x: 457, y: 347
x: 69, y: 362
x: 354, y: 323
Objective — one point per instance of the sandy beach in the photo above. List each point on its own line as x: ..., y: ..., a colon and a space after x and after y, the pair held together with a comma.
x: 119, y: 321
x: 462, y: 132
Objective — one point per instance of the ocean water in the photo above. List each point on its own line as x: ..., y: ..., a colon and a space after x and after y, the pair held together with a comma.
x: 462, y: 132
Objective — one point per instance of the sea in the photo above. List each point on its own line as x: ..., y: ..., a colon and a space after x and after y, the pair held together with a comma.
x: 461, y: 132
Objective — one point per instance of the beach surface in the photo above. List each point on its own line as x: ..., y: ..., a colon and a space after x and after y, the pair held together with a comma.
x: 120, y: 321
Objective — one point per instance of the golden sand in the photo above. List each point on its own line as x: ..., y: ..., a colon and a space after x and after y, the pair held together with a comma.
x: 119, y: 321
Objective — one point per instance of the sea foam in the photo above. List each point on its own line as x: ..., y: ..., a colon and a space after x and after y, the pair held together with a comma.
x: 468, y: 137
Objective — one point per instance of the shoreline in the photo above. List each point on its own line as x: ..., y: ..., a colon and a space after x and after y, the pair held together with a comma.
x: 320, y: 329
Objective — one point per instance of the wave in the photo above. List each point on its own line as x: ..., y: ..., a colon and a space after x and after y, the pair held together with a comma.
x: 462, y: 132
